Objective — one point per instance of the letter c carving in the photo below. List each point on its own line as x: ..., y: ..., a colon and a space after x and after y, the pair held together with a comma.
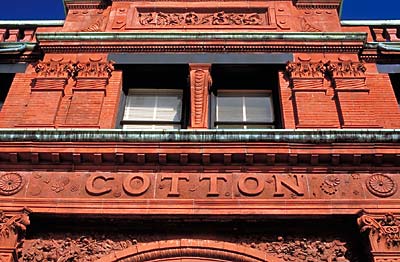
x: 98, y: 191
x: 136, y: 191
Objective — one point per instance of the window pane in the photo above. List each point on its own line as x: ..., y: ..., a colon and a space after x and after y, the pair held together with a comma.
x: 259, y: 109
x: 140, y: 107
x: 229, y: 108
x: 169, y: 108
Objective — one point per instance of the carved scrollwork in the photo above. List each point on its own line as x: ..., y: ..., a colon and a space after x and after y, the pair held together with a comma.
x: 200, y: 79
x: 381, y: 185
x: 10, y: 183
x: 192, y: 18
x: 385, y: 229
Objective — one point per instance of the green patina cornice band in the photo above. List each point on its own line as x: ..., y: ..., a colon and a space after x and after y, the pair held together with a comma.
x: 200, y: 136
x: 233, y: 36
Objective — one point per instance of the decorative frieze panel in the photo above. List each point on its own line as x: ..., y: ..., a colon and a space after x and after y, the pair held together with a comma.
x: 193, y: 19
x: 160, y: 16
x: 236, y: 185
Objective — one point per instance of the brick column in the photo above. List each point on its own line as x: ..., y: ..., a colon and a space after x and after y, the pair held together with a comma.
x: 356, y: 110
x: 12, y: 230
x: 383, y: 234
x: 200, y: 82
x: 47, y: 91
x: 312, y: 102
x: 88, y: 94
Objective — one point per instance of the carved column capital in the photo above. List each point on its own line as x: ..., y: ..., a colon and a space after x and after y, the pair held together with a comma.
x: 12, y: 230
x: 92, y: 75
x: 306, y: 75
x: 384, y: 235
x: 348, y: 75
x: 200, y: 82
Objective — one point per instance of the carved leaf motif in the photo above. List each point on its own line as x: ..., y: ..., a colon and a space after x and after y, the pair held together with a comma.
x: 192, y: 18
x: 386, y: 228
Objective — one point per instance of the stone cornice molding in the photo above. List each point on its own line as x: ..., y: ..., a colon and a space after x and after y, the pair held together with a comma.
x: 319, y: 136
x: 201, y: 42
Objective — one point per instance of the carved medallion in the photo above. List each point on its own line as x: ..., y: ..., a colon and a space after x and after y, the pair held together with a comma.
x: 10, y: 183
x: 381, y: 185
x: 330, y: 185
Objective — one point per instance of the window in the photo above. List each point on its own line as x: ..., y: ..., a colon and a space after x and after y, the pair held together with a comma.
x: 153, y: 109
x: 243, y: 97
x: 5, y: 84
x: 155, y: 97
x: 395, y: 79
x: 234, y: 109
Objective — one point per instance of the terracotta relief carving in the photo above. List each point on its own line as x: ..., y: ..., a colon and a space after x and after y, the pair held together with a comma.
x: 200, y: 82
x: 12, y: 232
x: 330, y: 185
x: 347, y: 68
x: 193, y: 18
x: 384, y: 231
x: 82, y: 249
x: 93, y: 68
x: 95, y: 246
x: 10, y: 183
x: 306, y: 69
x: 305, y: 250
x: 307, y: 27
x: 381, y: 185
x: 54, y: 69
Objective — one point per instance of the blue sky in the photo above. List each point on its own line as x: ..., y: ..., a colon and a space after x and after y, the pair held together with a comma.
x: 53, y: 9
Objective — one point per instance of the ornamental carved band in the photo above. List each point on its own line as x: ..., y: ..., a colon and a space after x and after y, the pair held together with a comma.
x: 54, y: 69
x: 93, y: 69
x: 192, y: 18
x: 346, y: 68
x: 385, y: 230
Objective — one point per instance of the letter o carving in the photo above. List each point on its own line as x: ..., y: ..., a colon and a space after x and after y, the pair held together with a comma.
x: 245, y: 190
x: 136, y: 191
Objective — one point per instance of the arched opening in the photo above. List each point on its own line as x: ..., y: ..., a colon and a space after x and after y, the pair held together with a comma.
x: 189, y: 250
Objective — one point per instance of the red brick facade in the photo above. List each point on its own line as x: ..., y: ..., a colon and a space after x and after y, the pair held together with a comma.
x: 319, y: 184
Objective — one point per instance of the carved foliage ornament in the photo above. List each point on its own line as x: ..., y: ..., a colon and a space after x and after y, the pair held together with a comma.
x: 56, y: 69
x: 306, y: 69
x: 192, y: 18
x: 10, y: 183
x: 68, y: 69
x: 200, y: 82
x: 346, y: 68
x: 386, y: 229
x: 13, y: 225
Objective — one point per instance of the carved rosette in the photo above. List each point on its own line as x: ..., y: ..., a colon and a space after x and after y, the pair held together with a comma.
x: 200, y: 82
x: 384, y: 234
x: 306, y: 74
x: 10, y: 183
x: 330, y: 185
x: 381, y: 185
